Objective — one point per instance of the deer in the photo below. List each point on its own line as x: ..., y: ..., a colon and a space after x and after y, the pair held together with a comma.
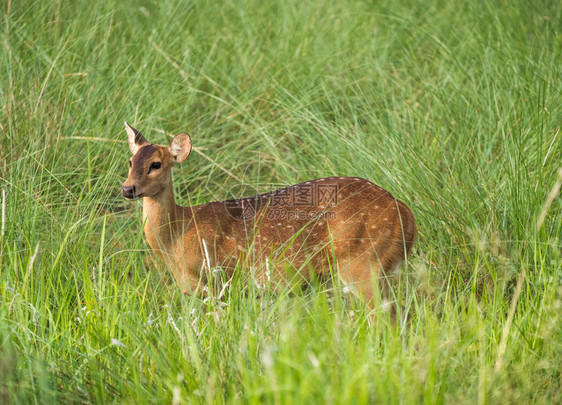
x: 347, y: 226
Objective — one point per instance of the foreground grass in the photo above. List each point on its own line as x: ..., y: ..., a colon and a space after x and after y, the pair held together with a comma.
x: 453, y: 108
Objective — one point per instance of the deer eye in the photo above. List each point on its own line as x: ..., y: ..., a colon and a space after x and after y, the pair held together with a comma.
x: 154, y: 166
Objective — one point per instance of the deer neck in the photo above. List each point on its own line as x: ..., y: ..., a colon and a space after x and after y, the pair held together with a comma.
x: 160, y: 216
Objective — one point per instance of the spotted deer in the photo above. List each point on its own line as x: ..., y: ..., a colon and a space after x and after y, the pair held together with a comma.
x: 338, y: 225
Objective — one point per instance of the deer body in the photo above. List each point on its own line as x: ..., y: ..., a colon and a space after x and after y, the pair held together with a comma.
x: 288, y: 235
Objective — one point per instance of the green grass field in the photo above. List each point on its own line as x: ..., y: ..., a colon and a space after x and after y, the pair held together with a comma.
x: 454, y: 107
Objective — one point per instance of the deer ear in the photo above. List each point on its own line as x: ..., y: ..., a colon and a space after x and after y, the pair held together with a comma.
x: 136, y: 140
x: 180, y: 147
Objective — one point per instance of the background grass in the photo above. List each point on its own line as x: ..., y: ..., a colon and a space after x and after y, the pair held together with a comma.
x: 454, y: 107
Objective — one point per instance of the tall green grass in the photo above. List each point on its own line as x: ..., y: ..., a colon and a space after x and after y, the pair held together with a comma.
x: 454, y: 107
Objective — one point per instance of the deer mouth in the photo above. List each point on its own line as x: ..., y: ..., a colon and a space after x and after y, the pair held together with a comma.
x: 130, y: 194
x: 133, y: 197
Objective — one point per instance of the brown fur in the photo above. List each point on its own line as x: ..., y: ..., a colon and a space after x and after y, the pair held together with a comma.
x: 346, y: 223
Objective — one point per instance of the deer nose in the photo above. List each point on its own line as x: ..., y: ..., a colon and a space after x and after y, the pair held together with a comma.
x: 128, y: 191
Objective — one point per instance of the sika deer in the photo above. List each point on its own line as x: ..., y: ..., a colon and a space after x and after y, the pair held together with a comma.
x: 345, y: 223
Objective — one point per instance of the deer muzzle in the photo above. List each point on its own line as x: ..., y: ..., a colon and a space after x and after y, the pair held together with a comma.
x: 129, y: 192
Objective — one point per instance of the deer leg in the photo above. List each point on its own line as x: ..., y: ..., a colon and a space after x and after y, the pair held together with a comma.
x: 366, y: 279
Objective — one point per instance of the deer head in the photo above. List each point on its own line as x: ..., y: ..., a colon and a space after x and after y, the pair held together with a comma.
x: 150, y: 167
